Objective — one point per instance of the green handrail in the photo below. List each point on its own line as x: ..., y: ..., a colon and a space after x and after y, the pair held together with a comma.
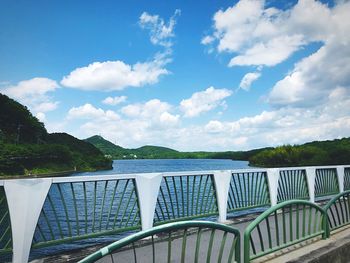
x: 233, y: 253
x: 296, y: 233
x: 338, y: 210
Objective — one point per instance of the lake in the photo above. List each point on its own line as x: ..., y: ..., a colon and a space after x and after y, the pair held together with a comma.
x: 169, y: 165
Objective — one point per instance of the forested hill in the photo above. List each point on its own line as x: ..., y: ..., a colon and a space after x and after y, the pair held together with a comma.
x: 312, y: 153
x: 145, y: 152
x: 27, y: 148
x: 157, y: 152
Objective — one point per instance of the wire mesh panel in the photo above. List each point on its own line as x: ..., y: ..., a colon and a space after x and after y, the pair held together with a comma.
x: 292, y: 184
x: 248, y: 190
x: 5, y: 228
x: 81, y: 210
x: 188, y: 241
x: 184, y: 197
x: 338, y: 210
x: 298, y: 220
x: 326, y: 182
x: 346, y: 178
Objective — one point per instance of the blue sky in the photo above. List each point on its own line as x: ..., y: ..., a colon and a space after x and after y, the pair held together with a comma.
x: 219, y: 75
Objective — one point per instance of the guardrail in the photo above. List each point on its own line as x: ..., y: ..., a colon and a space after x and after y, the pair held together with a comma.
x: 298, y: 221
x: 223, y: 245
x: 47, y: 211
x: 338, y: 211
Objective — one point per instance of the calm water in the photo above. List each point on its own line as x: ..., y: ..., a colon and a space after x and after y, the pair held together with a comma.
x: 169, y: 165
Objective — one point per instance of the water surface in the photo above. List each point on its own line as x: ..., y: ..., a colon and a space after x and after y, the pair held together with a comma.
x: 169, y: 165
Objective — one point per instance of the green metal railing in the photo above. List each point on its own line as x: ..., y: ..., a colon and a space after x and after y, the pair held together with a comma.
x: 187, y: 241
x: 292, y: 184
x: 185, y: 197
x: 326, y: 182
x: 338, y: 210
x: 248, y: 190
x: 5, y: 226
x: 283, y: 225
x: 80, y: 210
x: 346, y: 179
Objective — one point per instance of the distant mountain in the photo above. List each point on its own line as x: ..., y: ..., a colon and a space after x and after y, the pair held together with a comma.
x: 27, y: 148
x: 144, y: 152
x: 158, y: 152
x: 312, y: 153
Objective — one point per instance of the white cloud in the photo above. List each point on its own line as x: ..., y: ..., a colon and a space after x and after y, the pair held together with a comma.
x: 248, y: 79
x: 114, y: 101
x: 116, y: 75
x: 270, y: 53
x: 154, y: 122
x: 154, y: 111
x: 267, y: 36
x: 207, y: 40
x: 315, y: 77
x: 262, y: 36
x: 161, y: 32
x: 33, y: 93
x: 214, y: 127
x: 204, y: 101
x: 139, y: 124
x: 41, y: 116
x: 88, y: 111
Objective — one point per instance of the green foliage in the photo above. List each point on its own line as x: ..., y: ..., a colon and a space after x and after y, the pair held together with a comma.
x: 27, y: 148
x: 157, y: 152
x: 315, y: 153
x: 17, y: 124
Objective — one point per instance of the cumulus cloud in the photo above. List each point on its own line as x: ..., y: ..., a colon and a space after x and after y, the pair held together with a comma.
x: 34, y: 93
x: 204, y: 101
x: 116, y: 75
x: 88, y: 111
x: 155, y: 111
x: 142, y: 123
x: 114, y: 100
x: 161, y: 32
x: 259, y: 35
x: 41, y: 116
x: 156, y: 122
x: 315, y: 77
x: 248, y: 79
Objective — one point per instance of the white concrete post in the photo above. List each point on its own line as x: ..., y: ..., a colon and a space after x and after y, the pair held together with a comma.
x: 25, y: 199
x: 273, y: 176
x: 340, y: 173
x: 311, y: 176
x: 222, y: 185
x: 148, y: 188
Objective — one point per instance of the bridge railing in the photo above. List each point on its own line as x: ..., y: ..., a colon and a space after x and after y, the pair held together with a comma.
x: 41, y: 212
x: 181, y: 242
x: 283, y: 225
x: 338, y: 211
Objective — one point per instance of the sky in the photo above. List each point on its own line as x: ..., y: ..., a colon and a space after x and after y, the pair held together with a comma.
x: 213, y: 76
